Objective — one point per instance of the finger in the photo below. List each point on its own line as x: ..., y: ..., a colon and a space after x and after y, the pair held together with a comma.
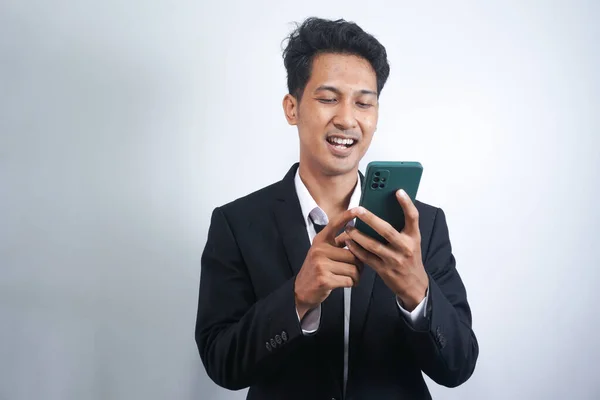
x: 344, y: 269
x: 387, y: 231
x: 340, y: 255
x: 363, y: 255
x: 411, y: 214
x: 371, y: 245
x: 347, y: 271
x: 405, y: 243
x: 340, y: 240
x: 330, y: 231
x: 337, y: 281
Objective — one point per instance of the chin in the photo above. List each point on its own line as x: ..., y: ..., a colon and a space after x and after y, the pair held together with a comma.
x: 328, y: 164
x: 334, y: 167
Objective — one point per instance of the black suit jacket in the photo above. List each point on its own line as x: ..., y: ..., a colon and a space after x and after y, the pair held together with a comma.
x: 247, y: 329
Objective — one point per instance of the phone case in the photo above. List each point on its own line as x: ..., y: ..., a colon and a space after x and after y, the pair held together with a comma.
x: 382, y: 180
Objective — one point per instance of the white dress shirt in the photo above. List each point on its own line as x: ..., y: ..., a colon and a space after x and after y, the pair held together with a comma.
x: 310, y: 322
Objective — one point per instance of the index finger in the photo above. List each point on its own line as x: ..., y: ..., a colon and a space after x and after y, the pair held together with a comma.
x: 411, y: 214
x: 330, y: 232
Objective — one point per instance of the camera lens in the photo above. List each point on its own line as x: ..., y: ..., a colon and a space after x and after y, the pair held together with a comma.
x: 377, y: 173
x: 376, y: 179
x: 382, y: 185
x: 374, y: 186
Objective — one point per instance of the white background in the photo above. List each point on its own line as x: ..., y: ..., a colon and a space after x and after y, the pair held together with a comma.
x: 124, y: 123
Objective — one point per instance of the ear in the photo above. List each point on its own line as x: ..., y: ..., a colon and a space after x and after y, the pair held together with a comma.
x: 290, y: 109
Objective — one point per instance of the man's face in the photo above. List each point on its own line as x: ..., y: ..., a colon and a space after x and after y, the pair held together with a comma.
x: 337, y: 114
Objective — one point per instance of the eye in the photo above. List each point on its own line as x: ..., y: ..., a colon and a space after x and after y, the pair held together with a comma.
x: 364, y: 105
x: 327, y: 101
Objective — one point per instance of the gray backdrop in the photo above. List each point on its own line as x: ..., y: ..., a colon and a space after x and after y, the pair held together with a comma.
x: 124, y: 123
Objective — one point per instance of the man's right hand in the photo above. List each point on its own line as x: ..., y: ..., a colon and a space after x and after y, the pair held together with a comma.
x: 327, y: 266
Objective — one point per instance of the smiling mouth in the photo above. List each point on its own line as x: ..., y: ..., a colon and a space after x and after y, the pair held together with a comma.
x: 341, y: 143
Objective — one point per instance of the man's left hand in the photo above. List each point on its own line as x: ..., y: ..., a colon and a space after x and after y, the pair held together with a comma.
x: 399, y: 261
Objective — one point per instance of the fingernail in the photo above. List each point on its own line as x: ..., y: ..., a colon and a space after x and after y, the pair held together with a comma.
x: 402, y: 192
x: 361, y: 210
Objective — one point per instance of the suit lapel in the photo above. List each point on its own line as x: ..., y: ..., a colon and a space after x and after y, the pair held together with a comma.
x: 361, y: 298
x: 290, y: 223
x: 359, y: 306
x: 360, y: 303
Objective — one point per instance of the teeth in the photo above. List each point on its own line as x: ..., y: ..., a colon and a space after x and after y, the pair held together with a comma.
x: 340, y: 141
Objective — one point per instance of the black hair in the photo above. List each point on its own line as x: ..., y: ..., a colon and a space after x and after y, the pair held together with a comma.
x: 317, y: 36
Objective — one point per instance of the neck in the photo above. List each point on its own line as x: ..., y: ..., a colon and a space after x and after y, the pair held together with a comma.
x: 331, y: 192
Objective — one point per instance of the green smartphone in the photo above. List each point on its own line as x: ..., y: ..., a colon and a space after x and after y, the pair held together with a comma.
x: 382, y: 181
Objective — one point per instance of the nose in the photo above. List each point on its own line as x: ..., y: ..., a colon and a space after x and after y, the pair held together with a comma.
x: 344, y: 117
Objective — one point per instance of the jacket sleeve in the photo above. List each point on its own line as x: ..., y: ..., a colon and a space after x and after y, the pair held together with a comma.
x: 447, y: 348
x: 240, y: 339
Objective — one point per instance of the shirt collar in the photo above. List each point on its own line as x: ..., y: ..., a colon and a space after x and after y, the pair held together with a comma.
x: 309, y: 206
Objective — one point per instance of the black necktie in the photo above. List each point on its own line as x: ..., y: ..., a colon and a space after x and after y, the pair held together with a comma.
x: 331, y: 329
x: 318, y: 227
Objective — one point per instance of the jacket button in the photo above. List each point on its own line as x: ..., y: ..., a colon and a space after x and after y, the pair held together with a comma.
x: 284, y: 336
x: 268, y: 345
x: 278, y: 339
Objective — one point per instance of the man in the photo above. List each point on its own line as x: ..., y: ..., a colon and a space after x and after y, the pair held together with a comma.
x: 294, y: 308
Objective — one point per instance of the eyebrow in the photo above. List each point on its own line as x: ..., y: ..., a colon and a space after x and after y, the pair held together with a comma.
x: 337, y: 91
